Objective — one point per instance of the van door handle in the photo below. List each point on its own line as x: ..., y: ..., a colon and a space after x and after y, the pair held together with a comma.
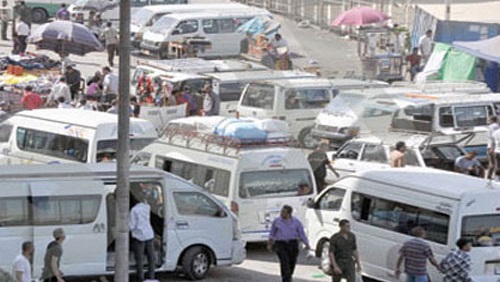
x: 182, y: 224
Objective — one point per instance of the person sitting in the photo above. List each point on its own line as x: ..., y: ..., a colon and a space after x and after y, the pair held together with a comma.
x: 292, y: 103
x: 468, y: 164
x: 414, y: 59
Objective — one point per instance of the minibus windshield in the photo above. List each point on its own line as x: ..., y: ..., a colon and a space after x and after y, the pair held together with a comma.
x: 163, y: 25
x: 141, y: 16
x: 483, y: 230
x: 275, y: 183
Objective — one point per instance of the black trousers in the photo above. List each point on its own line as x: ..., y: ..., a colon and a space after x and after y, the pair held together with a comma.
x: 5, y: 24
x: 139, y: 248
x: 348, y: 271
x: 111, y: 48
x: 287, y: 252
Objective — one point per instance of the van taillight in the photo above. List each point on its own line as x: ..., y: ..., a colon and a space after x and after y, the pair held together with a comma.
x: 235, y: 207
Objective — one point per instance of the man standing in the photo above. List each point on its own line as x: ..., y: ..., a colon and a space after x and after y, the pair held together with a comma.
x: 319, y: 161
x: 397, y: 156
x: 21, y: 267
x: 24, y: 12
x: 456, y: 266
x: 425, y: 45
x: 210, y: 102
x: 60, y: 89
x: 286, y: 231
x: 415, y: 253
x: 344, y: 255
x: 30, y: 100
x: 142, y: 236
x: 63, y: 13
x: 492, y: 127
x: 110, y: 36
x: 109, y: 85
x: 22, y: 33
x: 73, y: 79
x: 51, y: 264
x: 4, y: 17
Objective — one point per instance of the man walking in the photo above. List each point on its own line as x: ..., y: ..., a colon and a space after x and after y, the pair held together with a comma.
x: 22, y: 33
x: 425, y: 45
x: 24, y: 12
x: 110, y: 36
x: 4, y: 17
x: 51, y: 264
x: 21, y: 267
x: 343, y: 253
x: 415, y: 253
x: 286, y: 231
x: 456, y: 266
x: 142, y: 236
x: 73, y: 79
x: 63, y: 13
x: 319, y: 161
x: 109, y: 85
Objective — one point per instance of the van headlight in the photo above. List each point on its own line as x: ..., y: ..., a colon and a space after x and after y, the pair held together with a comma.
x: 236, y: 228
x: 350, y: 130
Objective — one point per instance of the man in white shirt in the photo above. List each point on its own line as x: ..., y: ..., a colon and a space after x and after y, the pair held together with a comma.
x: 110, y: 85
x: 21, y: 268
x: 492, y: 127
x: 425, y: 45
x: 60, y: 89
x: 142, y: 235
x: 22, y: 32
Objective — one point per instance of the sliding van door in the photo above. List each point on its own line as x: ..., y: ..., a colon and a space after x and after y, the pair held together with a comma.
x: 15, y: 225
x: 223, y: 36
x: 78, y: 207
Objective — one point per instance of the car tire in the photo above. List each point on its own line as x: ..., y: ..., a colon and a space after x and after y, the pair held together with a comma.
x: 196, y: 263
x: 163, y: 53
x: 324, y: 263
x: 39, y: 15
x: 306, y: 139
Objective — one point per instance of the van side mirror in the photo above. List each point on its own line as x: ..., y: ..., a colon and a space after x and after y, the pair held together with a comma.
x: 310, y: 203
x: 176, y: 32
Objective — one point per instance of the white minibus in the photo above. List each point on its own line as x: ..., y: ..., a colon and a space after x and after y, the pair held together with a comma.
x: 219, y: 28
x: 254, y: 180
x: 67, y: 135
x: 145, y: 17
x: 383, y: 206
x: 192, y: 229
x: 296, y: 101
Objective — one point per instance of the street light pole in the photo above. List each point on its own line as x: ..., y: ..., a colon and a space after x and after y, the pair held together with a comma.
x: 447, y: 4
x: 122, y: 157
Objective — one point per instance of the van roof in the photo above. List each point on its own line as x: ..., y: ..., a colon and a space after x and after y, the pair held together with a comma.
x: 71, y: 170
x: 351, y: 83
x: 428, y: 180
x: 75, y: 116
x: 257, y: 75
x: 410, y: 139
x: 199, y: 65
x: 450, y: 98
x: 312, y: 82
x: 447, y: 86
x: 176, y: 7
x: 215, y: 14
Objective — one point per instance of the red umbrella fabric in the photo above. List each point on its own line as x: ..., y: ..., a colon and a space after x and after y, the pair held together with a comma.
x: 360, y: 16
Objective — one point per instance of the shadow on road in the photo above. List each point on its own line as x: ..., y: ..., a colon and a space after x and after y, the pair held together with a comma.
x: 258, y: 251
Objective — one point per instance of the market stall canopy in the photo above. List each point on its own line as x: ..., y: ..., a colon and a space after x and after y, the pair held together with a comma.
x: 96, y: 5
x: 65, y: 37
x: 260, y: 25
x: 488, y: 49
x: 360, y: 16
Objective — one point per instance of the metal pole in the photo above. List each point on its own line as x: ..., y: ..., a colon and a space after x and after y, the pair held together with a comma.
x: 123, y: 189
x: 447, y: 4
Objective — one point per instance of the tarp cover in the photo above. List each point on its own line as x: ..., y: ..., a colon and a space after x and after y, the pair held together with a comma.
x: 488, y: 49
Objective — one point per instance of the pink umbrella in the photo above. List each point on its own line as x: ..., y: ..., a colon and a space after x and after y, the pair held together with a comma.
x: 360, y: 16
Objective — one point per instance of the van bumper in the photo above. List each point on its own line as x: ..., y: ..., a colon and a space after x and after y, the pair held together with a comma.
x: 150, y: 48
x: 239, y: 252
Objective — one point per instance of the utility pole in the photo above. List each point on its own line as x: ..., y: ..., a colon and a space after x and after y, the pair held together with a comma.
x: 122, y: 157
x: 447, y: 12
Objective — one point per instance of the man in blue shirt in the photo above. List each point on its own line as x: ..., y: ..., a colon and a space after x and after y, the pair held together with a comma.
x: 286, y: 231
x: 63, y: 13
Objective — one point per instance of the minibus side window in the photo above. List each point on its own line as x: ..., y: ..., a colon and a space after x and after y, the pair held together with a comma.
x: 230, y: 91
x: 332, y: 200
x: 14, y: 211
x: 214, y: 180
x: 259, y: 96
x: 189, y: 26
x: 399, y: 217
x: 375, y: 154
x: 5, y: 130
x: 197, y: 204
x: 51, y: 210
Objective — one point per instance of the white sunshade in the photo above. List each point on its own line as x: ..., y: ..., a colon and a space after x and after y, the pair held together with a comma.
x: 488, y: 49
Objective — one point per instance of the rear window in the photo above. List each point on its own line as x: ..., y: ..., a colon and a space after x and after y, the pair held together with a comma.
x: 306, y: 98
x: 259, y: 96
x: 275, y: 183
x: 230, y: 92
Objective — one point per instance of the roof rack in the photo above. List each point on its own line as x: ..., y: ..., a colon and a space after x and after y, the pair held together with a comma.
x: 220, y: 145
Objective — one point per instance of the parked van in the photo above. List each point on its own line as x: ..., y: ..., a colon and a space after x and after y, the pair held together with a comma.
x: 67, y: 135
x: 255, y: 180
x: 217, y: 28
x: 296, y: 101
x: 230, y: 85
x: 383, y: 206
x: 192, y: 230
x: 145, y: 17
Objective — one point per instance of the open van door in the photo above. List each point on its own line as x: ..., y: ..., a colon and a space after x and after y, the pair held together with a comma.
x: 77, y: 206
